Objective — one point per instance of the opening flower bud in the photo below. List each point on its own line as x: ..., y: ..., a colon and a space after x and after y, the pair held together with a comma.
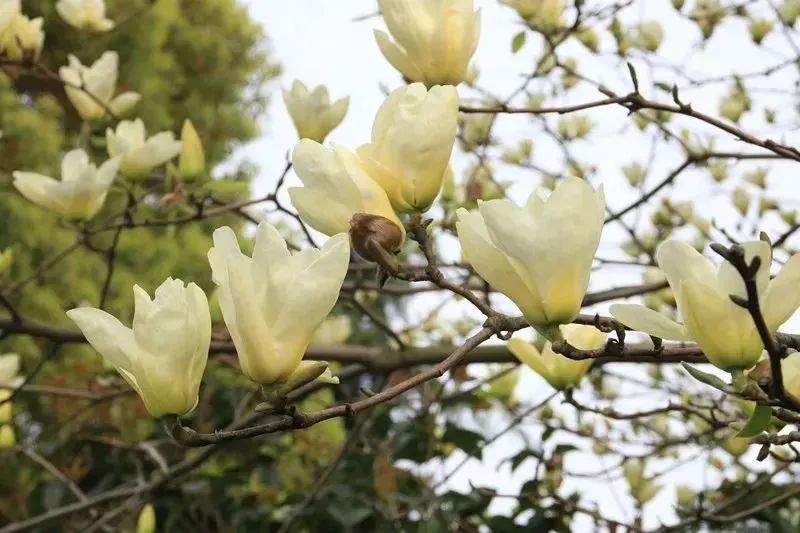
x: 375, y: 238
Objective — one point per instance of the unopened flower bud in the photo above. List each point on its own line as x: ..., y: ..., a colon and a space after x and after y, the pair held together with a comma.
x: 192, y: 160
x: 147, y: 520
x: 375, y: 238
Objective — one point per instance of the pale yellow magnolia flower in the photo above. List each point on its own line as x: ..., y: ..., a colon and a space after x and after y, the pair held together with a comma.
x: 21, y: 36
x: 81, y: 192
x: 559, y: 371
x: 434, y: 40
x: 192, y: 161
x: 273, y: 301
x: 313, y: 114
x: 723, y: 330
x: 791, y: 374
x: 545, y: 15
x: 85, y: 14
x: 539, y: 255
x: 334, y: 330
x: 335, y: 187
x: 9, y: 377
x: 412, y: 139
x: 140, y: 154
x: 91, y: 89
x: 9, y: 10
x: 163, y: 356
x: 7, y: 437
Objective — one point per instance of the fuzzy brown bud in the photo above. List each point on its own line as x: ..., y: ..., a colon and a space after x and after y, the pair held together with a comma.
x: 375, y: 238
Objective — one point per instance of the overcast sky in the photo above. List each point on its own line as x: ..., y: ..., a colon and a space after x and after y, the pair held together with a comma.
x: 318, y: 42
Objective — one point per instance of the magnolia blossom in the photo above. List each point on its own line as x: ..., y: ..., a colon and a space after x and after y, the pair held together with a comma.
x: 560, y: 371
x: 791, y: 374
x: 273, y: 301
x: 412, y: 139
x: 81, y: 192
x: 9, y: 377
x: 539, y: 255
x: 139, y: 153
x: 85, y: 14
x: 434, y: 40
x: 91, y: 89
x: 164, y: 354
x: 336, y: 187
x: 724, y: 331
x: 20, y: 36
x: 313, y: 114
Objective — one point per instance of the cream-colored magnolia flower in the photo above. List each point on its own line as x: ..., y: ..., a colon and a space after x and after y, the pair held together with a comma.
x: 333, y: 330
x: 85, y: 14
x: 81, y: 192
x: 91, y: 89
x: 9, y: 10
x: 20, y: 36
x: 139, y: 153
x: 723, y: 330
x: 412, y: 139
x: 559, y: 371
x: 335, y: 187
x: 539, y: 255
x: 313, y: 114
x: 273, y: 301
x: 791, y: 374
x: 164, y: 354
x: 434, y: 40
x: 9, y: 377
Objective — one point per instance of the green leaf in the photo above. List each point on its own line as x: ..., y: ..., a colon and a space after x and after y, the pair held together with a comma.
x: 705, y: 377
x: 468, y: 441
x: 759, y: 421
x: 518, y: 458
x: 348, y: 515
x: 518, y: 42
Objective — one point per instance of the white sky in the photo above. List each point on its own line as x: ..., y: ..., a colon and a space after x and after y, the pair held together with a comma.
x: 317, y: 42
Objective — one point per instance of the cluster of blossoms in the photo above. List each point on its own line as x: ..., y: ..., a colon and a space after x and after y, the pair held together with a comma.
x: 539, y: 255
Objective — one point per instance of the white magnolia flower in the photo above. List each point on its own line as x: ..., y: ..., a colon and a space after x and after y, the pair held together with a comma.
x: 163, y: 356
x: 434, y: 40
x: 85, y: 14
x: 313, y: 114
x: 560, y: 371
x: 336, y: 187
x: 273, y: 301
x: 81, y: 192
x: 540, y: 255
x: 139, y: 153
x: 412, y: 139
x: 91, y: 89
x: 724, y: 331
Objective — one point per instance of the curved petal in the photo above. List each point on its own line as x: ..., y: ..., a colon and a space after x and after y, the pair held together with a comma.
x: 641, y: 318
x: 679, y: 262
x: 782, y: 297
x: 397, y: 57
x: 74, y: 164
x: 529, y: 355
x: 110, y: 338
x: 9, y: 368
x: 493, y: 266
x: 38, y: 189
x: 712, y: 322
